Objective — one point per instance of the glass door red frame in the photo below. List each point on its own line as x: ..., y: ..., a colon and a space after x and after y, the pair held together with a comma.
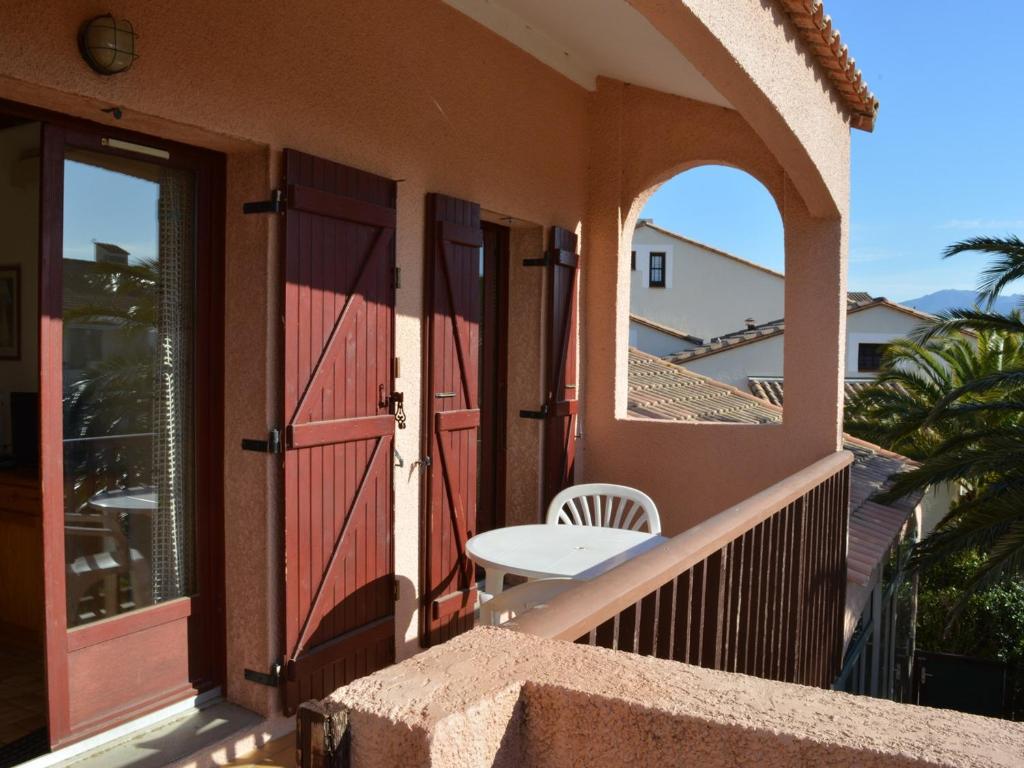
x: 174, y: 648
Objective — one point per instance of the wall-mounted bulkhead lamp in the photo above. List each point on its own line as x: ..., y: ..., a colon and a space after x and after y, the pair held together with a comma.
x: 107, y: 44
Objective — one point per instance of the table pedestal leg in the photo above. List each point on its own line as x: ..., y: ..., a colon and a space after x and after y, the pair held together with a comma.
x: 494, y: 582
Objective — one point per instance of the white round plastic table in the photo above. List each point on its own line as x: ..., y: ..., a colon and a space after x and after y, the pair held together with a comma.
x: 128, y: 500
x: 542, y: 551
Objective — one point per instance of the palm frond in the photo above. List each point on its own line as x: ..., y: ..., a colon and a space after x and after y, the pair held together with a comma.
x: 1005, y: 269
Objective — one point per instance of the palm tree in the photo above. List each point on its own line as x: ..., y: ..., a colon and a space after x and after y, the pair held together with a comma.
x: 897, y: 412
x: 113, y: 394
x: 965, y: 422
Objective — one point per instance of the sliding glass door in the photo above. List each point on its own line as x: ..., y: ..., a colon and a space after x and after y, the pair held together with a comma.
x: 129, y: 351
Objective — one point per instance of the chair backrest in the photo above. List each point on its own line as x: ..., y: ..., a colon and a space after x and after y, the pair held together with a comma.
x: 604, y: 504
x: 519, y: 599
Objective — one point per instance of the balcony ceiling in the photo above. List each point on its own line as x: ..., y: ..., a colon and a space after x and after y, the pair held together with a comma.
x: 582, y: 39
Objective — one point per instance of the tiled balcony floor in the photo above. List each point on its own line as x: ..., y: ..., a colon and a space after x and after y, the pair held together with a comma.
x: 22, y: 692
x: 279, y: 753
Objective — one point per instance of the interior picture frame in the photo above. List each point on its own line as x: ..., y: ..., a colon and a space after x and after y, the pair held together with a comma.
x: 10, y: 312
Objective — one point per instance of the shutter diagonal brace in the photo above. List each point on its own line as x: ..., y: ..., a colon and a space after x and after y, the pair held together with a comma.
x: 371, y: 470
x: 379, y: 243
x: 558, y: 383
x: 454, y: 499
x: 457, y: 322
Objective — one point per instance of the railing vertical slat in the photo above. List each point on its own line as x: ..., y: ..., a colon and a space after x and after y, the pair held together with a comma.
x: 627, y: 629
x: 820, y: 641
x: 774, y: 628
x: 648, y: 622
x: 802, y: 547
x: 605, y: 634
x: 764, y: 581
x: 697, y: 595
x: 814, y: 570
x: 735, y: 604
x: 747, y: 607
x: 842, y: 513
x: 711, y: 655
x: 757, y: 603
x: 667, y: 598
x: 792, y: 638
x: 779, y: 588
x: 681, y: 628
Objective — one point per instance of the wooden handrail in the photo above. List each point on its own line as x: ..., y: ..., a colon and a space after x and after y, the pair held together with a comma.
x: 575, y: 612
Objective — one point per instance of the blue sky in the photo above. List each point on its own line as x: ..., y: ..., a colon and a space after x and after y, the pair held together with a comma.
x: 945, y: 162
x: 109, y: 207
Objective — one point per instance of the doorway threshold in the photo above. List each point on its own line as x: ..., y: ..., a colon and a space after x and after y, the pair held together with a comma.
x: 162, y: 738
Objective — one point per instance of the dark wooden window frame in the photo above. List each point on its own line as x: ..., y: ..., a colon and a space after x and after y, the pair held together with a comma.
x: 659, y: 270
x: 494, y: 402
x: 869, y: 356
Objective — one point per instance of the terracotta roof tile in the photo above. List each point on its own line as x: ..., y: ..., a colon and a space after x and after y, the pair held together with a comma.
x: 770, y: 388
x: 661, y: 390
x: 661, y: 328
x: 825, y: 43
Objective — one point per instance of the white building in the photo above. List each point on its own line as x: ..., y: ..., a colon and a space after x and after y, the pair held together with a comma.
x: 696, y: 289
x: 752, y: 358
x: 722, y: 316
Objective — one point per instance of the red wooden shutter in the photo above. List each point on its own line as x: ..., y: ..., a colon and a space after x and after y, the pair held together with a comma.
x: 339, y: 230
x: 454, y: 239
x: 562, y: 403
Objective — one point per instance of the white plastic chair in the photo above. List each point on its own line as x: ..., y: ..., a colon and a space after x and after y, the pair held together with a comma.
x: 519, y: 599
x: 607, y: 505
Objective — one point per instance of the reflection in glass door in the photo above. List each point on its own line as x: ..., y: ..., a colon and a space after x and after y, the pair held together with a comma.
x: 129, y: 258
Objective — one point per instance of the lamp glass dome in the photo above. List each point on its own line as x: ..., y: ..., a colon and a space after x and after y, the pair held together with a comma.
x: 108, y: 44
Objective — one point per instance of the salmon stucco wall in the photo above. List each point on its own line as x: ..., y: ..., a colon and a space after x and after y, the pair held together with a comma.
x: 417, y: 92
x: 640, y: 138
x: 412, y: 91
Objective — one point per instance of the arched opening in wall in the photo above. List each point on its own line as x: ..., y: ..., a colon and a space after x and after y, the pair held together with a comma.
x: 707, y: 301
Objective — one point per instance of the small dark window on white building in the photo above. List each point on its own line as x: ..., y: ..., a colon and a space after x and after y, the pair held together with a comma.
x: 632, y: 261
x: 869, y: 357
x: 656, y: 276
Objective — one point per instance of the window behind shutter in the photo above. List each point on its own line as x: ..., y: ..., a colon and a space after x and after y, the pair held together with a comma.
x: 656, y: 275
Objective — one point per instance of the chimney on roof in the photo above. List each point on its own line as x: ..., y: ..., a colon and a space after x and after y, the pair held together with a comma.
x: 751, y: 325
x: 108, y: 253
x: 644, y: 222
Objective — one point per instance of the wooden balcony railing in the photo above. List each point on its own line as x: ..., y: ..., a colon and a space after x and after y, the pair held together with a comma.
x: 759, y: 588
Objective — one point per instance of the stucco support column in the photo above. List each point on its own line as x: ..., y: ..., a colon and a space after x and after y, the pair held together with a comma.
x: 605, y: 276
x: 815, y: 339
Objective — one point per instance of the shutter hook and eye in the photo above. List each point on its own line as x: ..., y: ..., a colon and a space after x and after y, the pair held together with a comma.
x: 395, y: 403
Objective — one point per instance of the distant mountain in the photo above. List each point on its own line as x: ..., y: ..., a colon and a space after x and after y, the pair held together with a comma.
x: 953, y: 299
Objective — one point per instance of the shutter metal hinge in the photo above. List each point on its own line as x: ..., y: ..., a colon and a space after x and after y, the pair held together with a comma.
x: 541, y: 414
x: 398, y: 277
x: 397, y: 589
x: 271, y: 678
x: 276, y: 204
x: 271, y: 445
x: 540, y: 262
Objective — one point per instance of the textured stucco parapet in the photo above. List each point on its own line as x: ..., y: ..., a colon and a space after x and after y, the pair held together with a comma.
x: 494, y: 697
